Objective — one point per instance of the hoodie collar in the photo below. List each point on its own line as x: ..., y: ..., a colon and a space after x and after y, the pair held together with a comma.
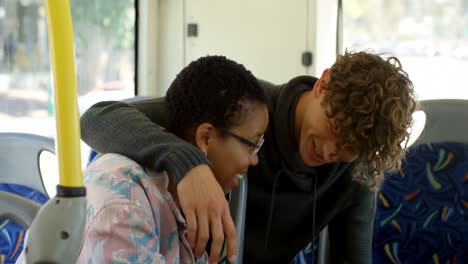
x: 284, y: 120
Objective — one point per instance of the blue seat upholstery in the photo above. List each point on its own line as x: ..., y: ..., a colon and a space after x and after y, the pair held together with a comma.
x: 305, y: 255
x: 12, y: 235
x: 422, y: 210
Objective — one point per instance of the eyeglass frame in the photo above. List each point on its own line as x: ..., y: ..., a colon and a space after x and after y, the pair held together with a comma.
x: 242, y: 139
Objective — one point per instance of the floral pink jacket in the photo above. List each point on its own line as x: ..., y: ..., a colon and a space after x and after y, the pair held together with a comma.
x: 131, y: 217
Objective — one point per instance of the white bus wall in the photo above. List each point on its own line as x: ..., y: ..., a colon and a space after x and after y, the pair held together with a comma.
x: 267, y: 36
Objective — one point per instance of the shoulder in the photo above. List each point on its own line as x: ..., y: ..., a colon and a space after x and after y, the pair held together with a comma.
x: 361, y: 196
x: 114, y: 179
x: 303, y: 79
x: 115, y: 171
x: 274, y: 91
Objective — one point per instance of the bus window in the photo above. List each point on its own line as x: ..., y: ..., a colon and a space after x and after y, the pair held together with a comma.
x: 429, y: 37
x: 104, y: 38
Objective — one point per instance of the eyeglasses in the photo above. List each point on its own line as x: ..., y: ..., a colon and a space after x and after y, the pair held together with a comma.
x: 253, y: 147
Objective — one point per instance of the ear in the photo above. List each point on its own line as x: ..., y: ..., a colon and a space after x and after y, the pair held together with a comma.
x: 318, y: 89
x: 325, y: 75
x: 202, y: 136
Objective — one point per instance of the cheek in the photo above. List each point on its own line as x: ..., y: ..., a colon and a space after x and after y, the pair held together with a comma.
x: 310, y: 129
x: 307, y: 132
x: 315, y: 124
x: 227, y: 162
x: 304, y: 153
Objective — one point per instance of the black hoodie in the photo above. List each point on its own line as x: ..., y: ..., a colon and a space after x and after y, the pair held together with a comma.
x: 282, y: 191
x: 285, y: 197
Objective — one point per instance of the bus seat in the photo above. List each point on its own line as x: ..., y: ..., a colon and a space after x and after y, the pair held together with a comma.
x: 237, y: 206
x: 321, y: 248
x: 422, y: 210
x: 92, y: 155
x: 22, y: 190
x: 19, y: 159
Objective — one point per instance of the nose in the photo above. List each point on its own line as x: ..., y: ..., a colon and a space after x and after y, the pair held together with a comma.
x: 254, y: 160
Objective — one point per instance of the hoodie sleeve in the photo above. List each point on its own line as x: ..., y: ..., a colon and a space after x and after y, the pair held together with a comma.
x: 134, y: 130
x: 351, y: 231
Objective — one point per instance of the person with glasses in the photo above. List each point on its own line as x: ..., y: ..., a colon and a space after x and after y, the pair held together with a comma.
x: 218, y: 108
x: 329, y: 142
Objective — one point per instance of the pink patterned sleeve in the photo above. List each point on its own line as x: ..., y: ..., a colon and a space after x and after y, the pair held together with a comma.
x: 122, y: 233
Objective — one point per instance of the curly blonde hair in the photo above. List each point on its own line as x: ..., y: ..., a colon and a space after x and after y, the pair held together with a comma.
x: 370, y: 102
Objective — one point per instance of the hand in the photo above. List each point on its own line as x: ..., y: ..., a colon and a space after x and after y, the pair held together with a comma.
x: 206, y: 211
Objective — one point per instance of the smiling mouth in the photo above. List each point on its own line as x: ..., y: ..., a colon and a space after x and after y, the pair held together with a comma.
x: 313, y: 152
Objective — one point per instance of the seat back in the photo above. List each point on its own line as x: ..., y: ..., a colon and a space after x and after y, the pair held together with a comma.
x: 22, y: 190
x: 317, y: 252
x: 237, y: 206
x: 19, y: 159
x: 422, y: 210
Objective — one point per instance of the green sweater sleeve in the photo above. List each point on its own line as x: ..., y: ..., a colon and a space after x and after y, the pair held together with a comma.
x: 134, y: 130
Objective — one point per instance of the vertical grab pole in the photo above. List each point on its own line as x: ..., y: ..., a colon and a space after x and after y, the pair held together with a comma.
x: 56, y: 233
x: 66, y: 110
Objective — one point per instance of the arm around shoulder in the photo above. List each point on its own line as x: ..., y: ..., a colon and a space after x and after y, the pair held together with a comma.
x: 133, y: 130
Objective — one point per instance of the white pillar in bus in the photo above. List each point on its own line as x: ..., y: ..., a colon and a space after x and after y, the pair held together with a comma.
x: 148, y: 48
x: 171, y: 42
x: 323, y: 34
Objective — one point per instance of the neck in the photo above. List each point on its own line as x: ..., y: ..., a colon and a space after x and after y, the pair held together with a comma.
x: 301, y: 107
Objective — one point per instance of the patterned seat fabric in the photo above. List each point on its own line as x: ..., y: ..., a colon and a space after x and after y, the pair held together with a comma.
x: 12, y: 236
x: 422, y: 210
x: 305, y: 255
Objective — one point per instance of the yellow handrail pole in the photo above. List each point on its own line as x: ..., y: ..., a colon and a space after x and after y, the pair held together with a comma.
x: 56, y: 233
x: 66, y: 109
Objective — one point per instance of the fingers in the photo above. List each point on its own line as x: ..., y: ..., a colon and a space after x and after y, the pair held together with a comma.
x: 206, y: 211
x: 217, y: 238
x: 231, y: 235
x: 203, y: 233
x: 191, y: 220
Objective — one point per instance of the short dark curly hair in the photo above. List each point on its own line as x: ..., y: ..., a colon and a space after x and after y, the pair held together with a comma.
x: 371, y: 101
x: 212, y: 89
